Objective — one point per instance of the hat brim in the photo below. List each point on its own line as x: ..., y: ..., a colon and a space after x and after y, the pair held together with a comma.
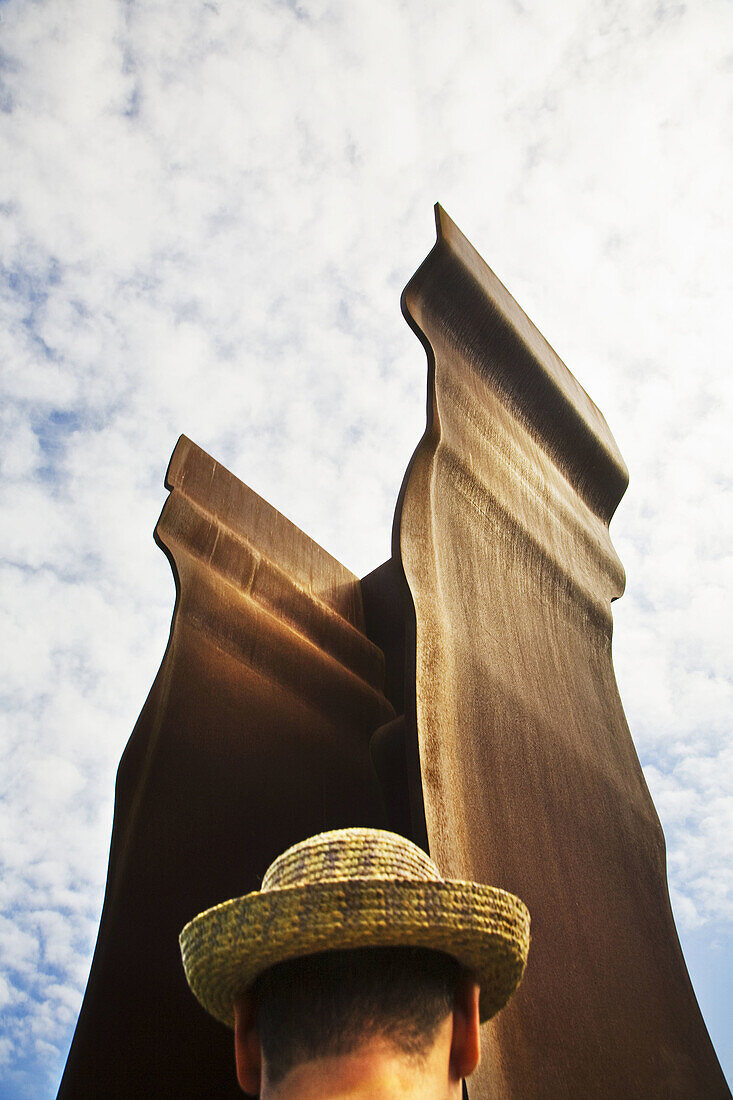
x: 486, y: 929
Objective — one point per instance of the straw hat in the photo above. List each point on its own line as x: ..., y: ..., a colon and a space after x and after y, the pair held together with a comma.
x: 355, y: 888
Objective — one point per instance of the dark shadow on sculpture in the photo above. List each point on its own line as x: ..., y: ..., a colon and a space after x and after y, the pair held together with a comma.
x: 462, y: 694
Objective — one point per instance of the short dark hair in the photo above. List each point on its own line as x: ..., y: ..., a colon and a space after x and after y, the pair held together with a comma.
x: 329, y: 1003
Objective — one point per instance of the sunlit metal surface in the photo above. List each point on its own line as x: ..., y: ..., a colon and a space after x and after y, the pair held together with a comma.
x: 497, y: 738
x: 530, y: 778
x: 255, y: 735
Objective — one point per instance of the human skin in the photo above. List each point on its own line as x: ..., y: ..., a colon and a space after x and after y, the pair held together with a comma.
x: 377, y: 1068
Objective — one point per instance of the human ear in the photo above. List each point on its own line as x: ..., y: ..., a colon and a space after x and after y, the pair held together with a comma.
x: 247, y: 1048
x: 465, y: 1050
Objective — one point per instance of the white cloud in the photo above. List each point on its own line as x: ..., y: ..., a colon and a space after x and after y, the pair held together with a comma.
x: 207, y: 213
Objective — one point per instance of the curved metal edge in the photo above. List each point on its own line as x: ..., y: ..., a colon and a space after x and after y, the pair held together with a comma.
x: 455, y: 296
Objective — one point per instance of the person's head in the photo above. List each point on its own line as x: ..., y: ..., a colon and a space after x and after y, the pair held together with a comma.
x: 404, y: 1015
x: 357, y: 958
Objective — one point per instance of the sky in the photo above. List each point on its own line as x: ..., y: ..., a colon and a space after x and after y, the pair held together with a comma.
x: 207, y: 214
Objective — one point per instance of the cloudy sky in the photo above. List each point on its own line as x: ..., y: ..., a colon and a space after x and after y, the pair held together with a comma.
x: 207, y: 214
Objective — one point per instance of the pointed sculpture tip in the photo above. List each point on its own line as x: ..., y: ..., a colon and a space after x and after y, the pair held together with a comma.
x: 177, y: 460
x: 446, y: 229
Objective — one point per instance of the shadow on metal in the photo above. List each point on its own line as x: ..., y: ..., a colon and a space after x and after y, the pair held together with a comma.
x: 496, y: 739
x: 529, y: 774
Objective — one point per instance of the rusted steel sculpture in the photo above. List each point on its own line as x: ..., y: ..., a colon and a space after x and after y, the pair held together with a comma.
x: 255, y: 734
x: 496, y: 738
x: 530, y: 778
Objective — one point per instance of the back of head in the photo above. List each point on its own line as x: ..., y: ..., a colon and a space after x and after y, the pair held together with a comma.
x: 332, y: 1003
x: 396, y: 1016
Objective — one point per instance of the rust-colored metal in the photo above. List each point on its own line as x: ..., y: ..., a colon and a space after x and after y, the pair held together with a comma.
x: 530, y: 778
x: 497, y: 739
x: 255, y: 735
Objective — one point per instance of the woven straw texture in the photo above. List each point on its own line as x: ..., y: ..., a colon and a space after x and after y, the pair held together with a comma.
x: 355, y: 888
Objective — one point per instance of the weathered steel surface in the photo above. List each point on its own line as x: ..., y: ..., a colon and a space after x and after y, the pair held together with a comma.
x: 530, y: 778
x: 255, y: 734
